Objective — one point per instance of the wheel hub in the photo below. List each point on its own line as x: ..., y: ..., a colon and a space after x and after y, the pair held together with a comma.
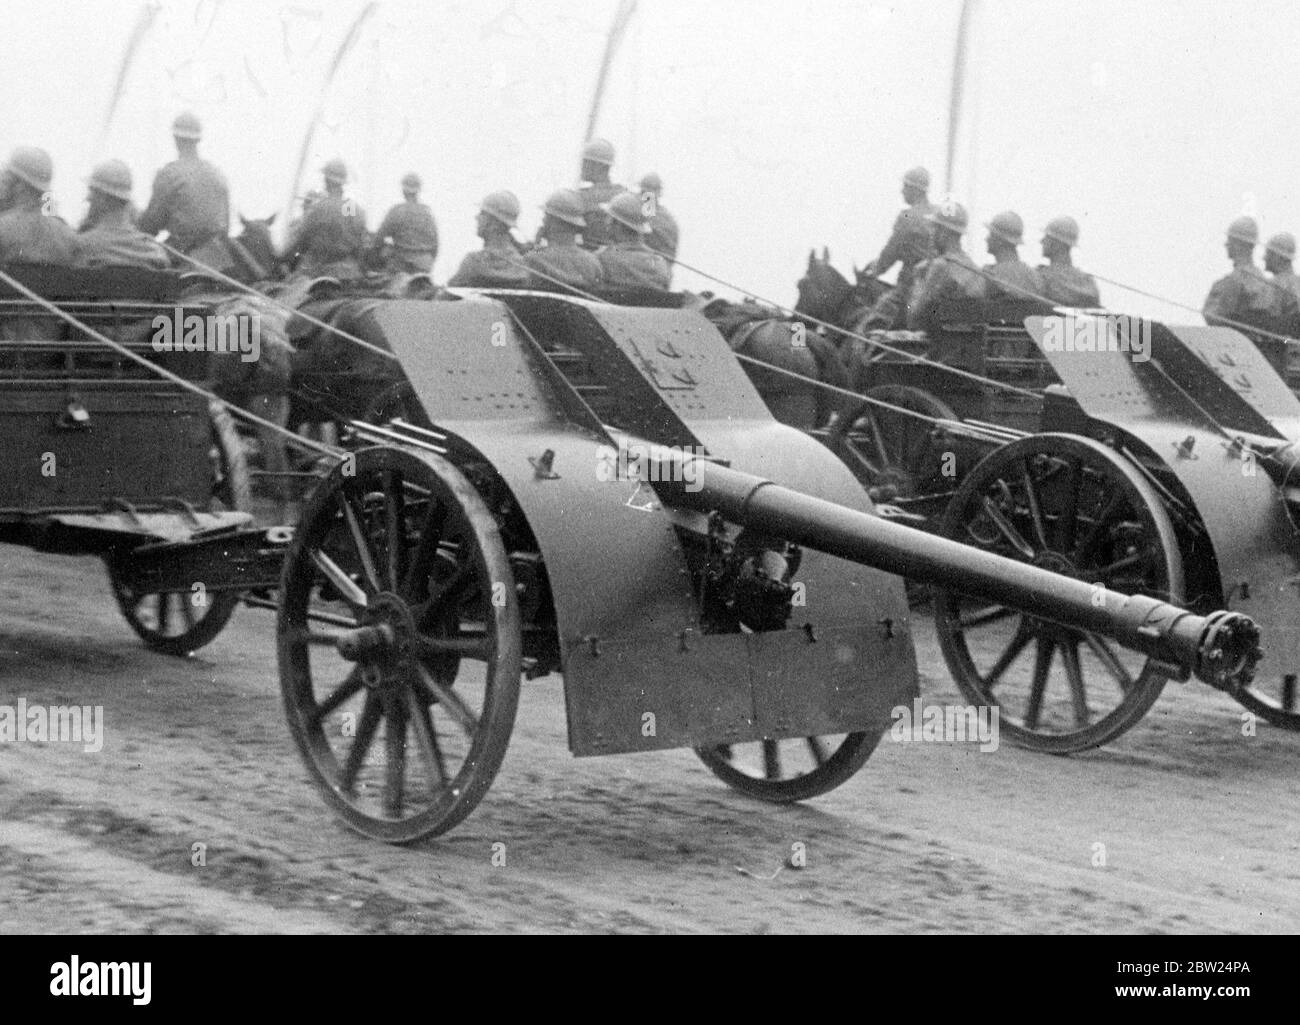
x: 382, y: 641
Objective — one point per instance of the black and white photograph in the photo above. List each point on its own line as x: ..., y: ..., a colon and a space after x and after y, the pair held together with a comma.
x: 651, y: 467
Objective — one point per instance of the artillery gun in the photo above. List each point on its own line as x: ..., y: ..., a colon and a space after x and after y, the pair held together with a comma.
x: 599, y: 491
x: 593, y: 490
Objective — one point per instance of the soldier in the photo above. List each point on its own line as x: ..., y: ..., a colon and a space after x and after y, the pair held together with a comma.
x: 664, y: 233
x: 562, y: 258
x: 190, y: 200
x: 910, y: 243
x: 498, y: 264
x: 950, y: 275
x: 110, y: 239
x: 628, y: 262
x: 1245, y: 296
x: 414, y: 234
x: 1010, y: 277
x: 29, y: 230
x: 1061, y: 281
x: 1279, y: 252
x: 597, y: 191
x: 331, y: 237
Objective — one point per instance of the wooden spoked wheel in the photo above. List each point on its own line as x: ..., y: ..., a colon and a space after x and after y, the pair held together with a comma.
x: 783, y: 771
x: 1073, y: 506
x: 181, y: 622
x: 892, y: 452
x: 399, y: 644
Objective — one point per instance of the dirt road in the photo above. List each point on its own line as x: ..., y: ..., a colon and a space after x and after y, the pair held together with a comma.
x: 1195, y: 823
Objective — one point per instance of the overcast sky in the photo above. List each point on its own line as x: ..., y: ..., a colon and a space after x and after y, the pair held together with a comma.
x: 776, y: 126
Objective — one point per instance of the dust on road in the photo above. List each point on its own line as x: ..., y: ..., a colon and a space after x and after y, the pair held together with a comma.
x: 1195, y: 823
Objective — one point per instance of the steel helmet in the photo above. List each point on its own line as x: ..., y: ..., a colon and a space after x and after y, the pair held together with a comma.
x: 565, y: 205
x: 1282, y: 244
x: 1008, y: 227
x: 651, y: 182
x: 503, y: 205
x: 32, y: 165
x: 599, y: 151
x: 918, y: 178
x: 950, y: 215
x: 411, y: 182
x: 113, y: 178
x: 1064, y: 230
x: 1244, y: 229
x: 335, y: 171
x: 187, y: 126
x: 627, y: 210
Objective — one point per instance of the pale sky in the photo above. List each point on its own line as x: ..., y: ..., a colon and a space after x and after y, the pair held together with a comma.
x: 776, y: 126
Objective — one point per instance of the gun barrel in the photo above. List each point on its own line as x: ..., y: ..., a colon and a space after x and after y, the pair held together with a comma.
x: 1221, y: 649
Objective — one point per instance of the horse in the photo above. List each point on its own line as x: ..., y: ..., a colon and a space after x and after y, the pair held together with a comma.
x: 827, y: 296
x: 754, y: 331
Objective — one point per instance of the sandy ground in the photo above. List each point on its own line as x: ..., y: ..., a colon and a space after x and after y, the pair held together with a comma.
x: 1196, y: 822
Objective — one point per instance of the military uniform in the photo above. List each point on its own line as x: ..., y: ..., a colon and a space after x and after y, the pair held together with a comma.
x: 910, y: 243
x: 634, y: 264
x: 330, y: 238
x: 1247, y: 297
x: 120, y: 245
x: 496, y: 265
x: 191, y: 201
x: 598, y: 232
x: 29, y: 236
x: 1012, y: 279
x: 1066, y: 285
x: 947, y: 278
x: 664, y: 233
x: 415, y: 236
x: 568, y: 262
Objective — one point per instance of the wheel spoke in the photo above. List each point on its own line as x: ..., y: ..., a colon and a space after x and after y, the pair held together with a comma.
x: 187, y: 610
x: 771, y: 760
x: 350, y: 685
x: 164, y: 613
x: 395, y: 528
x: 371, y: 713
x: 1106, y: 572
x: 394, y: 755
x: 426, y: 551
x: 1110, y: 660
x: 1069, y: 517
x: 449, y: 700
x: 1035, y: 506
x: 359, y: 542
x: 818, y: 750
x: 878, y: 441
x: 985, y: 616
x: 426, y: 739
x: 1042, y: 668
x: 348, y: 588
x: 1074, y: 673
x: 1093, y: 534
x: 466, y: 646
x: 1023, y: 635
x: 1008, y: 531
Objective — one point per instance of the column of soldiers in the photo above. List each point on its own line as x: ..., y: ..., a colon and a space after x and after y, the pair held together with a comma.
x: 934, y: 269
x: 599, y: 235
